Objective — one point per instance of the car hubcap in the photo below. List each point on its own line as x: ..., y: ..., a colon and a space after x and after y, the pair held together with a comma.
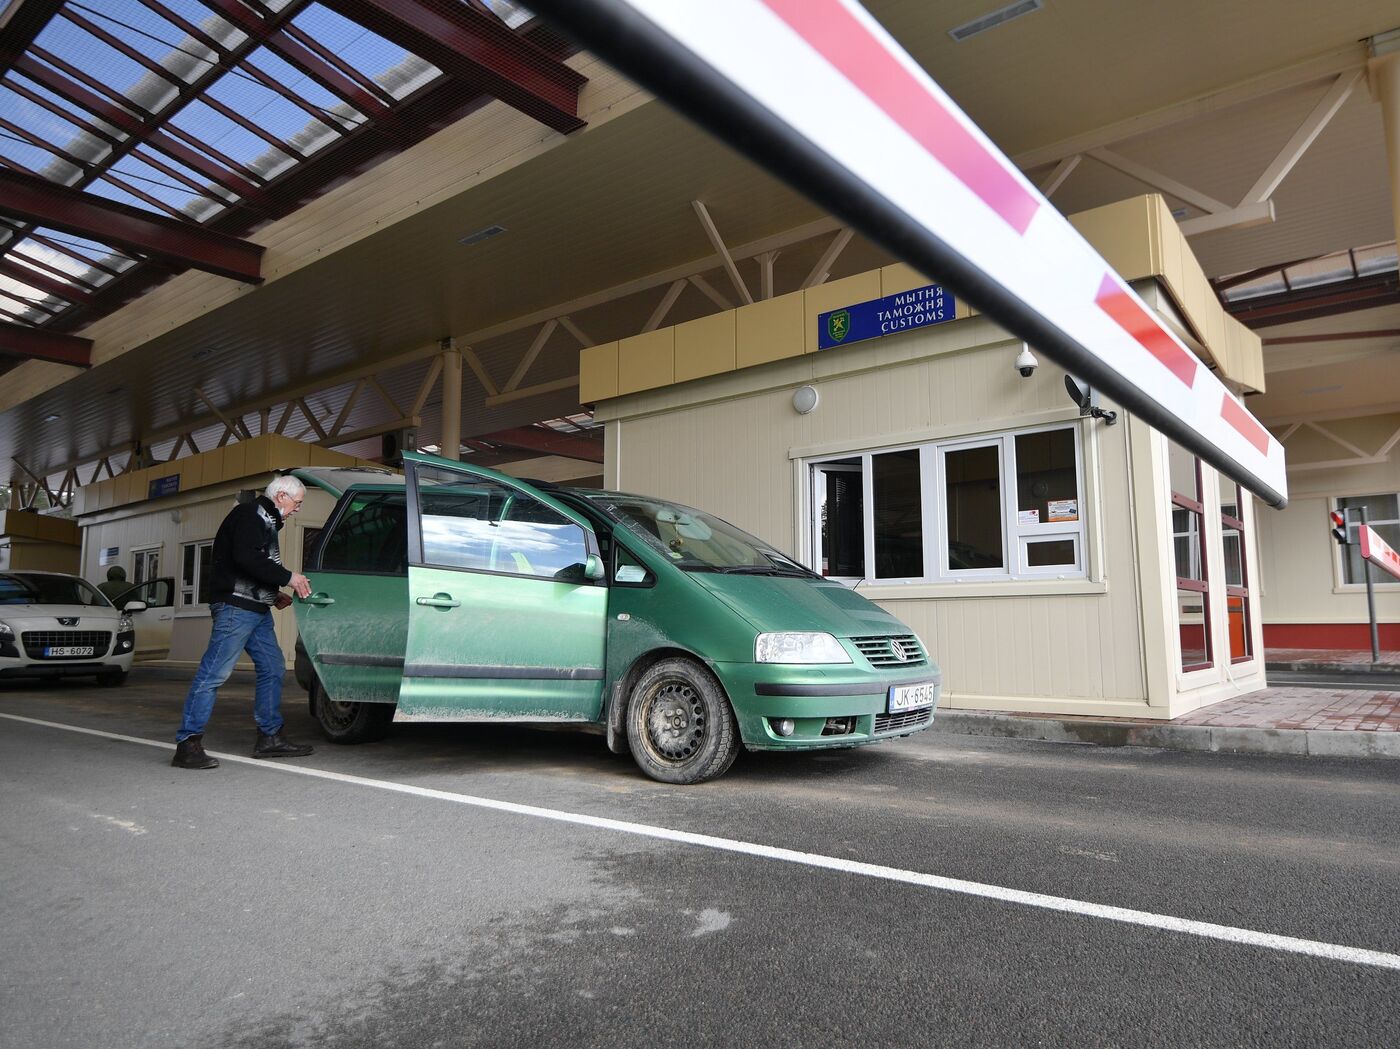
x: 338, y: 715
x: 676, y: 721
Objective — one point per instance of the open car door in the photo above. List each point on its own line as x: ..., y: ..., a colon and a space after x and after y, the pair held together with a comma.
x: 155, y: 622
x: 507, y: 606
x: 354, y: 625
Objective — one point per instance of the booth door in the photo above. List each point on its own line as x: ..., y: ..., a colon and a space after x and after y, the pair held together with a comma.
x: 155, y: 622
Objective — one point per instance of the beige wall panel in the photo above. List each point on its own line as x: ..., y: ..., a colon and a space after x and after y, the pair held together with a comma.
x: 770, y: 330
x: 646, y: 361
x: 234, y: 455
x: 1300, y: 561
x: 706, y: 346
x: 1118, y: 232
x: 1076, y: 652
x: 901, y: 277
x: 832, y: 296
x: 597, y: 373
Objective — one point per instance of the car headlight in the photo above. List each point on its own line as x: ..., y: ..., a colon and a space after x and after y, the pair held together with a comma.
x: 794, y: 647
x: 6, y: 634
x: 124, y: 625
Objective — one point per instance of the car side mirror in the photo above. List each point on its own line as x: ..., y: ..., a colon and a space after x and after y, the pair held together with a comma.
x: 593, y: 568
x: 134, y: 606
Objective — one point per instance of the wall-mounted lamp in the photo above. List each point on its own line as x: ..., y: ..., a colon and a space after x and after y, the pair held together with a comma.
x: 805, y: 399
x: 1084, y: 397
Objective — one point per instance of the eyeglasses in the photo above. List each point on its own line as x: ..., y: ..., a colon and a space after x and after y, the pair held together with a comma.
x: 296, y: 503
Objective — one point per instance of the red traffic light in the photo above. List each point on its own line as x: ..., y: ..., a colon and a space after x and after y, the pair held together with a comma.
x: 1339, y: 527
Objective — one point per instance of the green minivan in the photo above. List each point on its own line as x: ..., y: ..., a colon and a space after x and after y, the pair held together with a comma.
x: 456, y: 593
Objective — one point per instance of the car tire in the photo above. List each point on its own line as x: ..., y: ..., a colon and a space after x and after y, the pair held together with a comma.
x: 112, y: 678
x: 349, y: 722
x: 680, y: 726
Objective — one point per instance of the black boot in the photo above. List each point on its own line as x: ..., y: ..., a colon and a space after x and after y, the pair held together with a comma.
x: 189, y: 754
x: 278, y: 746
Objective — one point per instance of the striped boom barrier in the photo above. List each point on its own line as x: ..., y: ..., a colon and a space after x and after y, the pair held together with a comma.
x: 1378, y: 551
x: 821, y: 95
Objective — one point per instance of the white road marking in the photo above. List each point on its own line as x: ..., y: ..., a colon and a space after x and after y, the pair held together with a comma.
x: 1124, y: 915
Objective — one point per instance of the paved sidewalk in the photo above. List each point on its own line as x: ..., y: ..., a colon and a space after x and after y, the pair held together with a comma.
x: 1322, y: 721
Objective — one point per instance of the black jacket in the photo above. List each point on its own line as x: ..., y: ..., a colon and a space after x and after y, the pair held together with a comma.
x: 247, y: 570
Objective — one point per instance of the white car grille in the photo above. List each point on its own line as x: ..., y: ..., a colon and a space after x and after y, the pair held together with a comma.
x: 36, y: 641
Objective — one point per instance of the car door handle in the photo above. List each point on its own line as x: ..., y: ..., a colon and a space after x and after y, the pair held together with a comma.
x: 439, y: 601
x: 319, y: 599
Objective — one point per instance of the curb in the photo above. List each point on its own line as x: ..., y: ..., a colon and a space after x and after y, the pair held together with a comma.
x: 1214, y: 739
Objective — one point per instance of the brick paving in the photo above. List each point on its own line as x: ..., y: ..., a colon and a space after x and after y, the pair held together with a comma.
x: 1318, y: 708
x: 1340, y: 658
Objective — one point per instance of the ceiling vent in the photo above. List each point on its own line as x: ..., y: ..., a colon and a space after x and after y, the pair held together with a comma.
x: 995, y: 18
x: 482, y: 234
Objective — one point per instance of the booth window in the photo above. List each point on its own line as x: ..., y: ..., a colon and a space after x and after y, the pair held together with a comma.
x: 1383, y: 515
x: 1192, y: 578
x: 995, y: 508
x: 196, y: 559
x: 145, y: 564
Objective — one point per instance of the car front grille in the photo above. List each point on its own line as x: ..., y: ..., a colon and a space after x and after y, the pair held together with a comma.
x: 905, y: 719
x: 35, y: 641
x: 887, y: 651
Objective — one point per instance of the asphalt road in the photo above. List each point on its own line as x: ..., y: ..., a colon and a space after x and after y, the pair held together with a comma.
x: 254, y: 906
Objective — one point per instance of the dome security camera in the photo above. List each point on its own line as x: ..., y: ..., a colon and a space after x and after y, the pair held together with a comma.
x: 1026, y: 362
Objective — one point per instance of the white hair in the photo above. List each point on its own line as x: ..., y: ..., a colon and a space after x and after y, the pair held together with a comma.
x: 286, y: 483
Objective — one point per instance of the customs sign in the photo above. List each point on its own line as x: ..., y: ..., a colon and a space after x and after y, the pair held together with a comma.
x: 916, y: 308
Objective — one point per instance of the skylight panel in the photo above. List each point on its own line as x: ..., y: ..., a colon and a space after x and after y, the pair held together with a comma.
x: 278, y: 116
x: 156, y: 183
x: 142, y: 30
x: 220, y: 133
x: 80, y: 115
x: 79, y: 48
x: 47, y: 125
x: 334, y: 108
x: 32, y: 158
x: 399, y: 71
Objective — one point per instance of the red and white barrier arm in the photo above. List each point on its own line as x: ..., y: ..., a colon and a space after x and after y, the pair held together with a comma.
x: 820, y: 94
x: 1378, y: 551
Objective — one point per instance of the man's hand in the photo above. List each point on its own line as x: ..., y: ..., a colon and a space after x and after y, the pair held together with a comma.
x: 281, y: 601
x: 301, y: 585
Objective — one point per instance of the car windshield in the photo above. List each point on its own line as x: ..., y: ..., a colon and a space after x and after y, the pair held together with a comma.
x: 27, y: 589
x: 694, y: 540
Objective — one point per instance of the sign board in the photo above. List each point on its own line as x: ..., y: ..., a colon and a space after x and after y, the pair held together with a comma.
x: 159, y: 486
x: 915, y: 308
x: 110, y: 555
x: 1378, y: 551
x: 787, y: 81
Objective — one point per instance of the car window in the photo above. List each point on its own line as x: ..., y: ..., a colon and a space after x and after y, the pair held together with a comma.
x: 157, y: 593
x: 26, y: 589
x: 474, y: 523
x: 370, y: 536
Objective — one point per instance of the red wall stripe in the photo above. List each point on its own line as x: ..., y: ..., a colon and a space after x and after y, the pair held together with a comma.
x: 1138, y: 323
x: 1242, y: 421
x: 840, y: 38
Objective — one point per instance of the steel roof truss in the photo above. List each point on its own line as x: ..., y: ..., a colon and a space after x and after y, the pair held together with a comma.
x: 38, y: 344
x: 37, y: 200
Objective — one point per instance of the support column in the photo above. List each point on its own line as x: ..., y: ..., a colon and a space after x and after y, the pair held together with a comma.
x: 1384, y: 70
x: 451, y: 436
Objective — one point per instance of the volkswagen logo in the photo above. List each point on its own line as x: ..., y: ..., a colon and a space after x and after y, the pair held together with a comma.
x: 899, y: 651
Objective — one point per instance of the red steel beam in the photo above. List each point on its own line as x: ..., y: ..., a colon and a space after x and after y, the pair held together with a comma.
x: 59, y: 207
x: 547, y: 442
x: 43, y: 282
x: 36, y: 344
x: 481, y: 50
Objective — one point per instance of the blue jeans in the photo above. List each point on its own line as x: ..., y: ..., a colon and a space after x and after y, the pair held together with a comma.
x: 235, y: 630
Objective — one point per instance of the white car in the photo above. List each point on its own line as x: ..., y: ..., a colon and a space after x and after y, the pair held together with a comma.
x: 57, y: 625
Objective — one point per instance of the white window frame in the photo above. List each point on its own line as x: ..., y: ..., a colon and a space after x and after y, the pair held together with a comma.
x: 1379, y: 579
x: 202, y: 548
x: 140, y: 553
x: 1016, y: 538
x: 818, y: 496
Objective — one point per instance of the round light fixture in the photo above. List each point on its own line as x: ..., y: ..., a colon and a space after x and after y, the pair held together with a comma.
x: 805, y: 399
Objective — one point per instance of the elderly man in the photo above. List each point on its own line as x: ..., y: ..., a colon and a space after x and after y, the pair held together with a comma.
x: 245, y: 585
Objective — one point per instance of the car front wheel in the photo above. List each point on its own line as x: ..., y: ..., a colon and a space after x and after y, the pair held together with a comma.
x: 679, y: 723
x: 349, y: 722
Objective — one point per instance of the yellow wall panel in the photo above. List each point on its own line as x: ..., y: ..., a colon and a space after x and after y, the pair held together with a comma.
x: 1119, y: 233
x: 646, y: 361
x: 770, y: 330
x: 832, y: 296
x: 597, y: 373
x: 706, y: 346
x: 233, y: 461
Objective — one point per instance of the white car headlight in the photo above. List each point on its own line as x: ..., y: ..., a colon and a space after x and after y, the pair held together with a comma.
x: 6, y: 633
x: 793, y: 647
x: 124, y: 624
